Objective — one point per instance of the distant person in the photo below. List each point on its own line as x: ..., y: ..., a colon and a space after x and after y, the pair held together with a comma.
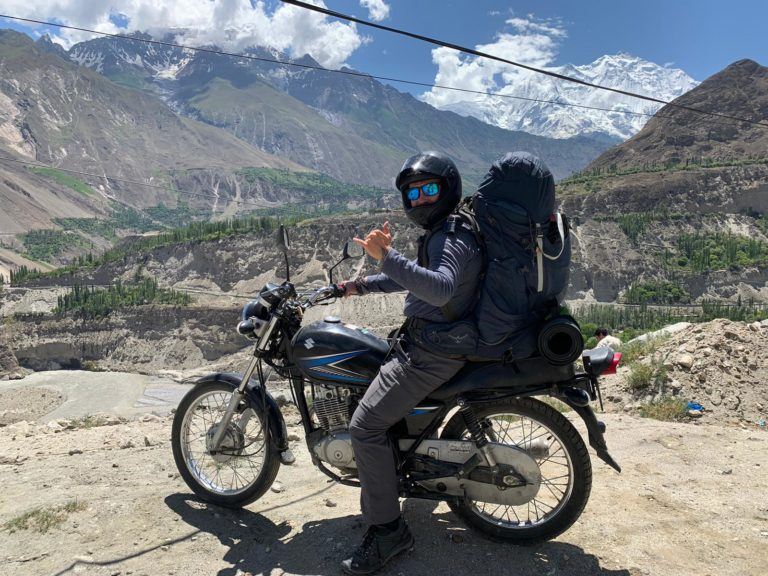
x: 605, y: 340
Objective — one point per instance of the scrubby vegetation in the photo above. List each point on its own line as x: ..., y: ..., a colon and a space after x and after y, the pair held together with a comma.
x: 46, y: 244
x: 196, y: 231
x: 128, y: 219
x: 63, y: 178
x: 645, y: 377
x: 705, y: 252
x: 327, y: 193
x: 44, y: 519
x: 672, y: 165
x: 667, y: 408
x: 92, y: 302
x: 656, y: 292
x: 629, y: 321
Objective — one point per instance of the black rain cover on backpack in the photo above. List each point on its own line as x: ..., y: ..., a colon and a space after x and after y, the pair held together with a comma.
x: 528, y: 253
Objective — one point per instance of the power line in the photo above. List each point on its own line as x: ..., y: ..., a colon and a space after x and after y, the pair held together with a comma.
x: 473, y: 52
x: 348, y: 72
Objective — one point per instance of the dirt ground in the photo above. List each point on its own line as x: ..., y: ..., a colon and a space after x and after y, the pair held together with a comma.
x: 692, y: 499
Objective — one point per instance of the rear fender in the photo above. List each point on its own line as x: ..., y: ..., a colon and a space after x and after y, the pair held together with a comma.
x: 253, y: 392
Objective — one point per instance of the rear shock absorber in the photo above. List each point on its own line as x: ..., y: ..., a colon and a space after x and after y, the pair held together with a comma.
x: 476, y: 431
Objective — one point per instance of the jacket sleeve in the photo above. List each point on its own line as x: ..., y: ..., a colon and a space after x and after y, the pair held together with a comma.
x: 435, y: 285
x: 378, y: 283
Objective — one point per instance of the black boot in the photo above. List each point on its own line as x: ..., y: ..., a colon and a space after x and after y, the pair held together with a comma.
x: 379, y: 546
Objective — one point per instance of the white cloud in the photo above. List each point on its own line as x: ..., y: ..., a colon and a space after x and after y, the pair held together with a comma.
x: 531, y: 41
x: 378, y: 10
x: 229, y: 24
x: 530, y: 25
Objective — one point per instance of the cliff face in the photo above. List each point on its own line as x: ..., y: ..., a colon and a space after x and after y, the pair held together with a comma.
x: 144, y: 340
x: 9, y: 366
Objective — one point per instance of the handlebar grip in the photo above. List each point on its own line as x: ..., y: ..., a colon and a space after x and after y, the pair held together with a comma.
x: 338, y: 290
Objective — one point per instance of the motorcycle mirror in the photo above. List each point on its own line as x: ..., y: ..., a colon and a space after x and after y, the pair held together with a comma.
x: 352, y: 250
x: 282, y: 238
x: 285, y: 243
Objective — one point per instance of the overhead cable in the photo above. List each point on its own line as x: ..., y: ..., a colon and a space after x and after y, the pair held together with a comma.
x: 480, y: 54
x: 346, y: 71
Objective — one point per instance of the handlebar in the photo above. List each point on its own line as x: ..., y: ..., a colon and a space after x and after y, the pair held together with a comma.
x: 324, y: 293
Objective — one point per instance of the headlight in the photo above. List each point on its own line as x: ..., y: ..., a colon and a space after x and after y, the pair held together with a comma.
x: 254, y: 319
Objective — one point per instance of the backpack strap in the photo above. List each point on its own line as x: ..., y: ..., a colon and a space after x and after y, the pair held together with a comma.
x: 461, y: 216
x: 540, y: 254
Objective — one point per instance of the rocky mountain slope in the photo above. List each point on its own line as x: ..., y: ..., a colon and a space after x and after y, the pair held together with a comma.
x: 605, y: 261
x: 686, y: 181
x: 675, y: 135
x: 518, y: 110
x: 56, y: 113
x: 353, y: 128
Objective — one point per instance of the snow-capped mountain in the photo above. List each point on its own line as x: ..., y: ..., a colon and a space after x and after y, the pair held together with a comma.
x: 353, y: 128
x: 621, y: 71
x: 113, y: 58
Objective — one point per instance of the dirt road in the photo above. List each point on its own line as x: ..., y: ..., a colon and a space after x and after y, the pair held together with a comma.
x: 693, y: 499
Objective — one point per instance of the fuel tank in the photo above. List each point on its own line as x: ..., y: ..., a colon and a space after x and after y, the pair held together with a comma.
x: 332, y: 352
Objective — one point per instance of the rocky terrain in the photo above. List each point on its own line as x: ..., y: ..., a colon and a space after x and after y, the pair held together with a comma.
x: 353, y: 128
x: 720, y: 365
x: 98, y: 494
x: 9, y: 365
x: 102, y: 496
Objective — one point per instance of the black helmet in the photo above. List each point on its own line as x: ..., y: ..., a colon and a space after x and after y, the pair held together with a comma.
x: 424, y: 166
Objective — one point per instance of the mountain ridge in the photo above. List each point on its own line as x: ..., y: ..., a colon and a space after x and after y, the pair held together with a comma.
x: 318, y: 112
x: 622, y: 71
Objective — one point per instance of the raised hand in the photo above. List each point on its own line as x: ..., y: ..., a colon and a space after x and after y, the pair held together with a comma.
x: 376, y: 242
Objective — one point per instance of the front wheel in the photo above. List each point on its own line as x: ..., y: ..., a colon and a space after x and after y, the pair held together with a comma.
x: 562, y: 458
x: 243, y: 468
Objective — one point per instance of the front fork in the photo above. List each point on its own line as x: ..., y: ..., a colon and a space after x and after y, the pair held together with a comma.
x: 237, y: 396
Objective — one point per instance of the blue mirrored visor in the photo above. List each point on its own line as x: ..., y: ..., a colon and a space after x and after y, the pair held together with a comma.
x: 429, y: 189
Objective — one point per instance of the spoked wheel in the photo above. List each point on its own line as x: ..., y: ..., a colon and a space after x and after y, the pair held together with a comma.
x: 242, y: 469
x: 566, y: 471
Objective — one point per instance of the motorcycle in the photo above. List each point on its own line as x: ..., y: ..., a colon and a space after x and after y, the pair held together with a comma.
x: 505, y: 461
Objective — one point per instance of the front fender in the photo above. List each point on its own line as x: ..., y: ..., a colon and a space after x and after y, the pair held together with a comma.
x: 278, y: 432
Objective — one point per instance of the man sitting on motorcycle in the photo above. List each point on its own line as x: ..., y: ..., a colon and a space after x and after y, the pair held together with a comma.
x: 430, y: 186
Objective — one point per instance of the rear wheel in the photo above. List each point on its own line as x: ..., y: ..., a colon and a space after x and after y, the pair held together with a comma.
x: 243, y: 468
x: 563, y: 460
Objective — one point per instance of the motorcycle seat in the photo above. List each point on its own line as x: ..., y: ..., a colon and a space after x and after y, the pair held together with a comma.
x: 476, y: 376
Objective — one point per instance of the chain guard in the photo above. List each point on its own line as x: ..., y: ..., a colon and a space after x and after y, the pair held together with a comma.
x: 524, y: 486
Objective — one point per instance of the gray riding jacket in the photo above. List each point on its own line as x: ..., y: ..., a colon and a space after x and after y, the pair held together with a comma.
x: 451, y: 277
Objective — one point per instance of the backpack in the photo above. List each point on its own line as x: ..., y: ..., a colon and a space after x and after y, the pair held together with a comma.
x: 526, y: 262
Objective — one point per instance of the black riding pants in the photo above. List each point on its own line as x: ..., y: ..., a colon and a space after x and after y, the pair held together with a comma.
x: 410, y: 374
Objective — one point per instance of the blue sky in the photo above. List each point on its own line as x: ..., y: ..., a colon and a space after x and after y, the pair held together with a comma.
x: 699, y: 37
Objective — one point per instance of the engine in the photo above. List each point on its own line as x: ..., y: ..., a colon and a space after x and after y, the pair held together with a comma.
x: 333, y: 407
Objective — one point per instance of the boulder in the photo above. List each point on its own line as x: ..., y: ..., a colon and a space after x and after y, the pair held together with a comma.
x: 685, y: 361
